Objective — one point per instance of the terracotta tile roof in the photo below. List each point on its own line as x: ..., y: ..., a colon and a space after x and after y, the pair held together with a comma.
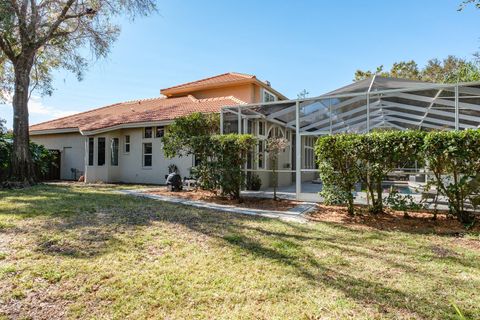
x: 215, y: 80
x: 148, y: 110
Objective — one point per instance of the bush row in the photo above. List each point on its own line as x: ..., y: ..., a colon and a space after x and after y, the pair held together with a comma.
x: 453, y: 157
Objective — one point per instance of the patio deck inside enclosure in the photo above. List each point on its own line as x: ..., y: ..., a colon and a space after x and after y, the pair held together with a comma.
x: 373, y: 103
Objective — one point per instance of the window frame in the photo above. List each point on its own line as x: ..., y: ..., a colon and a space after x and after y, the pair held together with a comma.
x: 162, y: 128
x: 126, y: 143
x: 144, y: 154
x: 103, y: 154
x: 266, y: 94
x: 263, y: 125
x: 91, y: 151
x: 261, y: 154
x: 145, y: 132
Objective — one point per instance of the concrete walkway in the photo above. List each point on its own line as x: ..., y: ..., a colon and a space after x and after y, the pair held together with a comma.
x: 295, y: 214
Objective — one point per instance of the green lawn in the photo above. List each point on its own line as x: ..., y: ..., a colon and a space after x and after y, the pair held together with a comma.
x: 87, y: 252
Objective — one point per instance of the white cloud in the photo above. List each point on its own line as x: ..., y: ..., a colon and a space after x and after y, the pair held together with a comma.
x: 36, y: 107
x: 38, y: 111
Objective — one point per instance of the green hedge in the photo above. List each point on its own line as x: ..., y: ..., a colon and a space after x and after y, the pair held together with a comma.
x: 347, y: 159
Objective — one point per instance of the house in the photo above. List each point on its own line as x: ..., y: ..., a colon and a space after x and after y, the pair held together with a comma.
x: 122, y: 142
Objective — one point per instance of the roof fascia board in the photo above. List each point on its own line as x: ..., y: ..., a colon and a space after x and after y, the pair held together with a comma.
x: 126, y: 126
x: 54, y: 131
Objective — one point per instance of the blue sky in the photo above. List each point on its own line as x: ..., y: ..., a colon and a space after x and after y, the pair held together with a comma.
x: 296, y: 45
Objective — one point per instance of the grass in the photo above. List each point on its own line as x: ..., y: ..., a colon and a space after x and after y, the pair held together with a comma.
x: 68, y: 251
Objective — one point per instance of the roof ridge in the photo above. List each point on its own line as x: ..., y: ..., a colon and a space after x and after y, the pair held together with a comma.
x: 247, y: 76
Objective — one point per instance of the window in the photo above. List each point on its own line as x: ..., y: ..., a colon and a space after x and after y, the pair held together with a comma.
x: 101, y: 151
x: 127, y: 144
x: 91, y: 145
x: 268, y: 97
x: 114, y: 152
x: 309, y: 154
x: 147, y: 132
x: 147, y: 154
x: 261, y: 128
x: 250, y: 127
x: 159, y: 132
x: 261, y: 154
x: 275, y: 132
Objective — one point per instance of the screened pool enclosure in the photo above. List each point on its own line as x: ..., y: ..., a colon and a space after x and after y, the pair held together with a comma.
x: 372, y: 104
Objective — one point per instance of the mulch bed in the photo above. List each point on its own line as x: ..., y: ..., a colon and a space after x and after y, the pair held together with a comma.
x: 419, y: 222
x: 246, y: 202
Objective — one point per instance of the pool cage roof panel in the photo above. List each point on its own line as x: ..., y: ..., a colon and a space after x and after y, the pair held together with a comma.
x: 376, y: 102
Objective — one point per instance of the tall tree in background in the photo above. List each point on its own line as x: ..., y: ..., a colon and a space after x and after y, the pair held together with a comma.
x: 450, y: 70
x: 38, y: 36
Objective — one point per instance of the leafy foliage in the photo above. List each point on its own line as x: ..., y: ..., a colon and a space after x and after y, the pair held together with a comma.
x: 55, y: 33
x: 381, y: 152
x: 230, y: 155
x: 274, y: 146
x: 454, y: 159
x: 339, y: 168
x: 184, y: 135
x: 42, y: 158
x: 450, y: 70
x: 347, y: 159
x: 253, y: 182
x: 221, y: 156
x: 400, y: 202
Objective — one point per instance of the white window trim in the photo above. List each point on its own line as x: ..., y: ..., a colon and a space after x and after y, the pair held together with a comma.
x: 264, y: 153
x: 264, y: 128
x: 153, y: 132
x: 265, y: 92
x: 125, y: 143
x: 146, y: 154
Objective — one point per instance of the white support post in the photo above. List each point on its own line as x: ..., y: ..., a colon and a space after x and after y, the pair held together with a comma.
x: 221, y: 121
x: 457, y: 113
x: 298, y: 153
x: 368, y: 112
x: 239, y: 120
x: 368, y: 101
x: 330, y: 113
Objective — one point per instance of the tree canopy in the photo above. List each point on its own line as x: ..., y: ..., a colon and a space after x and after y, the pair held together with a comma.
x: 57, y: 32
x: 39, y: 36
x: 449, y: 70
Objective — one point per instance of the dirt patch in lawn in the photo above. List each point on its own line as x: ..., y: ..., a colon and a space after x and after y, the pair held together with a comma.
x: 419, y: 222
x: 246, y: 202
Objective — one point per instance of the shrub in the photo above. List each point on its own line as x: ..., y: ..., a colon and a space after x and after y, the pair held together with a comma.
x: 221, y: 156
x: 380, y: 153
x: 401, y: 202
x: 454, y: 159
x: 230, y: 155
x: 338, y: 167
x: 253, y: 182
x: 347, y: 159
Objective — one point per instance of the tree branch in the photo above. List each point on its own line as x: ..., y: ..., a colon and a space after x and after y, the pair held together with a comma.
x: 7, y: 49
x: 56, y: 24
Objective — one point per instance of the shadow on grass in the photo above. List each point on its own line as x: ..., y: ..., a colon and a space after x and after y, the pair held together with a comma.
x: 87, y: 222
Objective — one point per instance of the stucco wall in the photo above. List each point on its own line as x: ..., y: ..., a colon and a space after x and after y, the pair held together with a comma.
x: 72, y: 151
x: 246, y: 92
x: 130, y: 167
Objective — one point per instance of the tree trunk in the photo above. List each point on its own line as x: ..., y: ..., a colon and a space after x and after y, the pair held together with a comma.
x: 22, y: 169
